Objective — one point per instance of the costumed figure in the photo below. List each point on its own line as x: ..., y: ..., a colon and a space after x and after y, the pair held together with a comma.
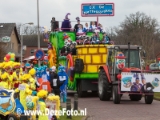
x: 16, y: 75
x: 45, y: 35
x: 54, y: 81
x: 8, y: 69
x: 66, y: 25
x: 42, y: 94
x: 24, y: 90
x: 120, y: 62
x: 95, y: 38
x: 51, y: 55
x: 44, y: 73
x: 4, y: 81
x: 27, y: 67
x: 54, y: 24
x: 53, y: 103
x: 32, y: 80
x: 31, y: 103
x: 136, y: 87
x: 63, y: 77
x: 93, y: 27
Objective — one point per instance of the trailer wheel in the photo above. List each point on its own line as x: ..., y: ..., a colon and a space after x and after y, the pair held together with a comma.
x: 79, y: 90
x: 115, y: 95
x: 135, y: 97
x: 12, y: 117
x: 103, y: 86
x: 148, y: 99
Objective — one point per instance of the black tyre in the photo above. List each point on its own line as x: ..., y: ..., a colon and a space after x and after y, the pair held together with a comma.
x: 135, y: 97
x: 116, y: 97
x: 79, y: 90
x: 104, y: 90
x: 148, y: 99
x: 12, y: 117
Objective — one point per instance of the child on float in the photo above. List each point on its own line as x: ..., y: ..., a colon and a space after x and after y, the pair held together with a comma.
x: 24, y: 90
x: 105, y: 39
x: 95, y: 38
x: 86, y: 28
x: 92, y: 27
x: 42, y: 95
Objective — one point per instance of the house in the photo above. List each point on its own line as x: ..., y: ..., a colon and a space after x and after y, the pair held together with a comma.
x: 9, y: 40
x: 30, y: 45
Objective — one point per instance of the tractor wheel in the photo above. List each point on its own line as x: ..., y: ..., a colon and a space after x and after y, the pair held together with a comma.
x: 135, y: 97
x: 148, y: 99
x: 115, y: 95
x: 79, y: 90
x: 103, y: 86
x: 12, y: 117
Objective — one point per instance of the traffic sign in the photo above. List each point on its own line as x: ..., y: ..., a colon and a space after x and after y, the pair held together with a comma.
x: 97, y: 9
x: 39, y: 54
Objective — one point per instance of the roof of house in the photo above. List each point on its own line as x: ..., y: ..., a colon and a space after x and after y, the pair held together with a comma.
x: 32, y: 41
x: 6, y: 30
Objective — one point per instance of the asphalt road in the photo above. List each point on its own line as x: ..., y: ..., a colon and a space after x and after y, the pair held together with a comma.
x: 126, y: 110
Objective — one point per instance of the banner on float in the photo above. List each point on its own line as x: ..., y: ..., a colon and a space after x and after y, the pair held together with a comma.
x: 135, y: 82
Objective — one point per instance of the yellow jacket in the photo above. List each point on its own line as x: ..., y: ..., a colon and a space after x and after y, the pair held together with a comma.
x: 32, y: 83
x: 23, y: 94
x: 42, y: 107
x: 4, y: 85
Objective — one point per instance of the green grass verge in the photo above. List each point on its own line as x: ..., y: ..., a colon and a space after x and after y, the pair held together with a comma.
x: 73, y: 117
x: 157, y: 95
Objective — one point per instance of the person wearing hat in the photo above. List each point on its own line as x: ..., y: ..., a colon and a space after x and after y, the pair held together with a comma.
x: 27, y: 67
x: 42, y: 95
x: 136, y: 87
x: 63, y: 77
x: 32, y: 80
x: 16, y: 75
x: 24, y: 90
x: 54, y: 25
x: 4, y: 80
x: 66, y: 24
x: 54, y: 81
x: 77, y: 26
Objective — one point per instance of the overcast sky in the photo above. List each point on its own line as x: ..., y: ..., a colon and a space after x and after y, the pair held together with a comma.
x: 24, y: 11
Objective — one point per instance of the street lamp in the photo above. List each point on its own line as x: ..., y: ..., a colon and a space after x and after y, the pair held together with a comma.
x: 30, y: 23
x: 38, y: 28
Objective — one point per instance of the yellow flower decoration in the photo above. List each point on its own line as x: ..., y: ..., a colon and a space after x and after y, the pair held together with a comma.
x: 42, y: 93
x: 32, y: 71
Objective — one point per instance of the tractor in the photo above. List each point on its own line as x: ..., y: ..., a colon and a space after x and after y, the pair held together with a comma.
x: 122, y: 74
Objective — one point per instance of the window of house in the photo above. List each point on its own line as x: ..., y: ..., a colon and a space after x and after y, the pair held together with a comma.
x: 32, y: 51
x: 12, y: 45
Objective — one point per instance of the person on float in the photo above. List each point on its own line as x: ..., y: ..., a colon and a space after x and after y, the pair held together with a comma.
x: 86, y: 28
x: 24, y: 90
x: 63, y: 77
x: 106, y: 39
x: 66, y: 24
x: 76, y: 27
x: 92, y: 27
x: 42, y: 95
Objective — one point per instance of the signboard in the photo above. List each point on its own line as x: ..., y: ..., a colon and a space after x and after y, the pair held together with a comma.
x: 140, y: 82
x: 97, y: 9
x: 6, y: 39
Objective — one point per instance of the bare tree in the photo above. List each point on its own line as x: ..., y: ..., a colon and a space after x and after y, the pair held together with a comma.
x: 28, y: 29
x: 139, y: 29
